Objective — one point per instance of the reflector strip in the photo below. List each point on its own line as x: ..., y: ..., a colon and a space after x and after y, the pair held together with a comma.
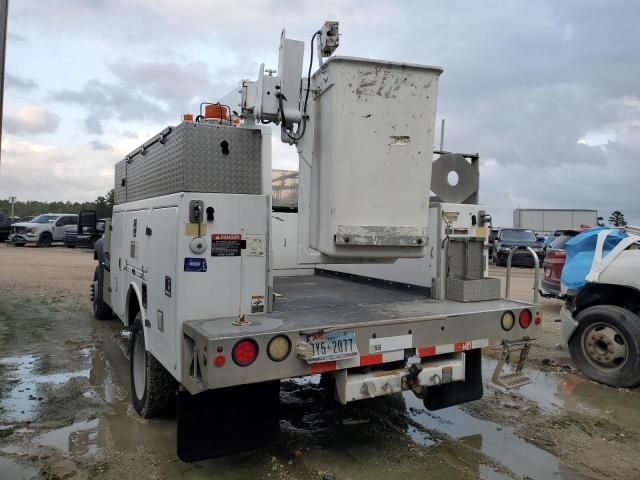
x: 395, y: 356
x: 323, y: 367
x: 372, y: 359
x: 426, y: 351
x: 432, y: 350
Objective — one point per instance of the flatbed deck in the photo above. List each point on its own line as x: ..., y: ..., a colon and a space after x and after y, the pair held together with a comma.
x: 311, y: 303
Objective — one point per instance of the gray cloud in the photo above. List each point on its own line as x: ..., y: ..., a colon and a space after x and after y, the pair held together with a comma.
x: 16, y: 38
x: 31, y: 119
x: 17, y: 82
x: 98, y: 145
x: 129, y: 134
x: 546, y: 92
x: 93, y: 125
x: 108, y: 100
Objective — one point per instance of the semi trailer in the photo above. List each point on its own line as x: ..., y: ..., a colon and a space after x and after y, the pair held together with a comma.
x: 188, y: 262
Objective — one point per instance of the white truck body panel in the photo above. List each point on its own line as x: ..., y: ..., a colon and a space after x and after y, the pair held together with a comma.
x: 154, y: 255
x: 366, y: 158
x: 422, y: 272
x: 549, y: 220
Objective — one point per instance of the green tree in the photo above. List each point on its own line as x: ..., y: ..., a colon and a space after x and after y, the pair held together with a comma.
x: 103, y: 205
x: 616, y: 219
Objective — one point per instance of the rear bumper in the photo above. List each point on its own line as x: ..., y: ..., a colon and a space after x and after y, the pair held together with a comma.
x: 550, y: 288
x: 352, y: 386
x: 427, y: 337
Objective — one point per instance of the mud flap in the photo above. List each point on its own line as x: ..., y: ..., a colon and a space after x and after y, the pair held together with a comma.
x: 228, y: 420
x: 455, y: 393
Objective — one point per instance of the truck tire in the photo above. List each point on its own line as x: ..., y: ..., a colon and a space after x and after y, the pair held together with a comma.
x: 45, y: 240
x: 19, y: 244
x: 153, y: 389
x: 606, y: 345
x: 101, y: 310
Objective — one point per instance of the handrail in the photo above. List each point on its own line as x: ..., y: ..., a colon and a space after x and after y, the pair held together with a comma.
x: 536, y: 264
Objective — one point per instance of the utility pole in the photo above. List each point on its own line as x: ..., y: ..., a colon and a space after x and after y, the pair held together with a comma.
x: 4, y: 14
x: 13, y: 201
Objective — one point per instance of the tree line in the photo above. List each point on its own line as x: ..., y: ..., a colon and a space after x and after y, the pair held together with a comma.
x: 103, y: 205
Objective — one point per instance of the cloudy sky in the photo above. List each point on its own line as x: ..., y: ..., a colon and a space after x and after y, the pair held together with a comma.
x: 547, y: 92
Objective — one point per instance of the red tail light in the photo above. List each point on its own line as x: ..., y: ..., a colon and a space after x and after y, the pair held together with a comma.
x: 525, y: 318
x: 556, y: 254
x: 245, y: 352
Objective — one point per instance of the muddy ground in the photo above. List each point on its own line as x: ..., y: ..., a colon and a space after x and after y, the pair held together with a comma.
x: 65, y: 413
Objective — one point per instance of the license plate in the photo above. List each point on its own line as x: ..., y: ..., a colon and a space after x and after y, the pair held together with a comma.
x: 333, y: 346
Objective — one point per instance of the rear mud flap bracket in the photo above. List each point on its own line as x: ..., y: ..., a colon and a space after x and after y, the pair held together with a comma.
x: 455, y: 393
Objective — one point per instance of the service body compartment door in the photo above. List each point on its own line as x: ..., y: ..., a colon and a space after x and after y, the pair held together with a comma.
x: 161, y: 275
x: 117, y: 262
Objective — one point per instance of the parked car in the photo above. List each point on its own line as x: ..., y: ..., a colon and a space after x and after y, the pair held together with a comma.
x: 554, y: 259
x: 42, y: 231
x: 551, y: 237
x: 87, y: 238
x: 508, y: 238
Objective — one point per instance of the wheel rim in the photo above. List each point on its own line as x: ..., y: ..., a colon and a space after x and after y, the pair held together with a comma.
x: 605, y: 346
x: 139, y: 367
x: 46, y: 241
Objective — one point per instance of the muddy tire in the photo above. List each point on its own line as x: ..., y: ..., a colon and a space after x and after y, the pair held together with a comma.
x: 101, y: 310
x: 153, y: 389
x: 606, y: 345
x: 45, y: 240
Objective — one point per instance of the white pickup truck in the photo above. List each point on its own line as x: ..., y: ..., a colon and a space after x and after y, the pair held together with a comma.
x: 42, y: 231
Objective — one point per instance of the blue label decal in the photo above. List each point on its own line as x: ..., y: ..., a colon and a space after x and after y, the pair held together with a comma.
x: 192, y: 264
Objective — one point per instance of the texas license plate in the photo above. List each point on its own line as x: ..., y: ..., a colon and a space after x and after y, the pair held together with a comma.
x: 332, y: 346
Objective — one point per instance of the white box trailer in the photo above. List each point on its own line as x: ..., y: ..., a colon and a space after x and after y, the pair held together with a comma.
x: 542, y: 220
x: 187, y: 261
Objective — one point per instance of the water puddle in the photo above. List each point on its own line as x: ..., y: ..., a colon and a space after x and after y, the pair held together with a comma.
x: 562, y: 393
x: 22, y: 400
x: 78, y: 438
x: 392, y: 437
x: 11, y: 470
x: 495, y: 441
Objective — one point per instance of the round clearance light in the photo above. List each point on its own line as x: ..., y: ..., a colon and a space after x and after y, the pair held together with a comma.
x: 507, y: 321
x: 245, y: 352
x: 219, y: 360
x: 525, y: 318
x: 279, y: 348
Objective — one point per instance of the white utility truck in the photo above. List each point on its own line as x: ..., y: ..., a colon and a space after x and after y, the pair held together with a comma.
x: 188, y: 262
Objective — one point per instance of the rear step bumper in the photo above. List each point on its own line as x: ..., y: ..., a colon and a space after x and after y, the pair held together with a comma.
x: 426, y: 330
x: 431, y: 373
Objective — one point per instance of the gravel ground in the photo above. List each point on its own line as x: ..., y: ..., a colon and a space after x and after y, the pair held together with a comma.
x: 65, y: 413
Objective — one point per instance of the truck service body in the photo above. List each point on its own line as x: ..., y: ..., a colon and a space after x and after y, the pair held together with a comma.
x: 189, y: 259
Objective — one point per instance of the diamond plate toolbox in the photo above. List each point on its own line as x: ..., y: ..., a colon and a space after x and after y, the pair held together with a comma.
x: 476, y: 290
x: 192, y: 157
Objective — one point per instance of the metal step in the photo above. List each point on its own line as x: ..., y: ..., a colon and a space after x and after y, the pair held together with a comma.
x: 516, y: 378
x: 512, y: 380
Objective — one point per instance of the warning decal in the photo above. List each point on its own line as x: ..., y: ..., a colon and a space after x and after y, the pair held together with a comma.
x: 226, y: 245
